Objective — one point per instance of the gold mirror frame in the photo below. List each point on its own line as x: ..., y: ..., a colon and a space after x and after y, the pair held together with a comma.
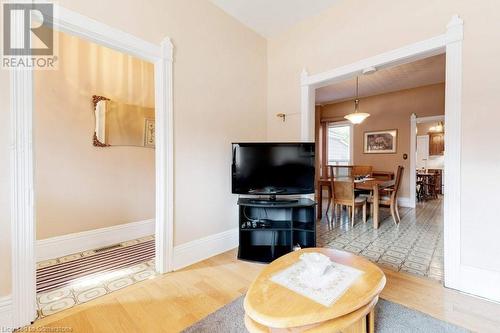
x: 95, y: 141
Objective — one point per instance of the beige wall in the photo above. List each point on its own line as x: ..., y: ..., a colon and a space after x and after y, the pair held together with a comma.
x: 219, y: 97
x: 390, y: 111
x: 356, y: 29
x: 80, y: 187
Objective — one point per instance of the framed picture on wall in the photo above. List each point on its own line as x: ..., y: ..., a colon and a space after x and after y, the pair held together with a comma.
x: 380, y: 142
x: 149, y: 132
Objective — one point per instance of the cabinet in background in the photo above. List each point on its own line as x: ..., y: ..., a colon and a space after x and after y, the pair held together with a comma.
x: 436, y: 144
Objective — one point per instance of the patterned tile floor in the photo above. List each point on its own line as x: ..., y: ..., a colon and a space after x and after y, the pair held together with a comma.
x: 415, y: 246
x: 89, y: 288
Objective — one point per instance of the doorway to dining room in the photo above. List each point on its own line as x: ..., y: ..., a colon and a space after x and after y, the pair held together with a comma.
x: 364, y: 170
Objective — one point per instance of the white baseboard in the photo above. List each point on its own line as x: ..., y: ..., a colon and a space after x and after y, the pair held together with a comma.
x: 6, y: 314
x: 404, y: 202
x: 81, y: 241
x: 192, y: 252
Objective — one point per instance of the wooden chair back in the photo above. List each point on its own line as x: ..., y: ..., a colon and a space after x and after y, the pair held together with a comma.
x: 399, y: 176
x: 332, y: 171
x: 362, y: 170
x: 343, y: 191
x: 325, y: 171
x: 340, y: 171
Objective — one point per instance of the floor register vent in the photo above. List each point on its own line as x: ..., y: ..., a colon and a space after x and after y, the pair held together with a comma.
x: 107, y: 248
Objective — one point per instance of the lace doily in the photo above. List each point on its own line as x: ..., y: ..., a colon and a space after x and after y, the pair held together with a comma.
x: 324, y: 289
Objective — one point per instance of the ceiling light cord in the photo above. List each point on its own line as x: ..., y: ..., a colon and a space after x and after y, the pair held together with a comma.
x: 357, y: 87
x: 356, y: 101
x: 357, y: 117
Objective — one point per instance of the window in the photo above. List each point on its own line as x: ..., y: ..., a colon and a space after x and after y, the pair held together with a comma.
x: 339, y: 144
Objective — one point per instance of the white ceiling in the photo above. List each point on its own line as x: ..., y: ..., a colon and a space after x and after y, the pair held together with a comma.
x: 414, y: 74
x: 270, y: 17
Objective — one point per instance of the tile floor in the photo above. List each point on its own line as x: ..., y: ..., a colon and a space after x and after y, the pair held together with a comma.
x: 415, y: 246
x: 88, y: 288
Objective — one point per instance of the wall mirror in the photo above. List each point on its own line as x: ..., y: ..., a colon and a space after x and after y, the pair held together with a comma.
x: 121, y: 124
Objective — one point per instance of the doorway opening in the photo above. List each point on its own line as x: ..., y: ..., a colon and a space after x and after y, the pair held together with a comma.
x: 376, y: 151
x: 428, y: 157
x: 22, y: 186
x: 450, y: 43
x: 94, y: 130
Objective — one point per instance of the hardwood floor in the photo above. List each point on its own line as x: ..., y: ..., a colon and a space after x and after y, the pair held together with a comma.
x: 174, y: 301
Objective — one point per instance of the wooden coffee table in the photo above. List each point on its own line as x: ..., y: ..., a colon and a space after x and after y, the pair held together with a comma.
x: 269, y: 307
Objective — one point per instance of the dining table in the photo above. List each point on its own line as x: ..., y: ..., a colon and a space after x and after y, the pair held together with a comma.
x: 374, y: 185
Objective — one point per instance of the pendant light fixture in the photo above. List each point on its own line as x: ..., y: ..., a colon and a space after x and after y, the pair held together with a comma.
x: 357, y: 117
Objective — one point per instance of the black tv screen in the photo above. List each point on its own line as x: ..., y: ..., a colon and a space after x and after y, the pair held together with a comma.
x: 273, y: 168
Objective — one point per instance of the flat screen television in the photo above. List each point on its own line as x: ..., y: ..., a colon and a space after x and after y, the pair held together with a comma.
x: 273, y: 168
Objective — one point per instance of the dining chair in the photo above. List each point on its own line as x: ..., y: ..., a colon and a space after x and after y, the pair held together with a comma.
x: 419, y: 188
x: 341, y: 170
x: 334, y: 171
x: 389, y: 197
x: 362, y: 170
x: 327, y: 173
x: 431, y: 184
x: 343, y: 195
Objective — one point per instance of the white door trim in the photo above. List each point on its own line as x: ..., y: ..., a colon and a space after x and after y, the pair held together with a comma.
x: 451, y: 43
x: 421, y: 120
x: 413, y: 157
x: 414, y: 120
x: 22, y: 180
x: 22, y: 222
x: 453, y: 160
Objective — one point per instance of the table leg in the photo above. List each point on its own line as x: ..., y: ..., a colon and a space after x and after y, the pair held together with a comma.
x: 273, y: 244
x: 320, y: 201
x: 370, y: 322
x: 375, y: 206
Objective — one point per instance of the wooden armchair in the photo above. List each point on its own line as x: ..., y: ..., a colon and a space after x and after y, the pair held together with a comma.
x: 389, y: 196
x: 343, y: 195
x: 361, y: 170
x: 334, y: 171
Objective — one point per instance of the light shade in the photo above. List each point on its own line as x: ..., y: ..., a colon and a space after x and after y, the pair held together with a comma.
x: 357, y: 117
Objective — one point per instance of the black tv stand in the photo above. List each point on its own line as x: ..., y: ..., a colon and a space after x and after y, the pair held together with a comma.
x: 273, y: 201
x: 269, y: 229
